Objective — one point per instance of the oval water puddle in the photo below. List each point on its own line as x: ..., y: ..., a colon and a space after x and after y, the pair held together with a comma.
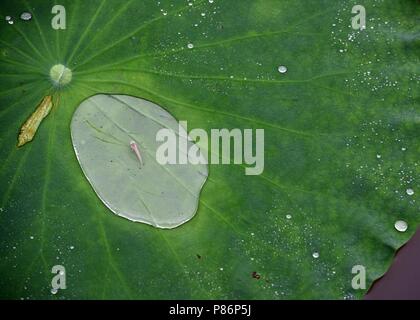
x: 114, y: 137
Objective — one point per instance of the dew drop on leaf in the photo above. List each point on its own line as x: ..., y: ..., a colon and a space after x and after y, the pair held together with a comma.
x: 26, y: 16
x: 401, y: 226
x: 410, y: 192
x: 315, y: 255
x: 163, y: 196
x: 282, y: 69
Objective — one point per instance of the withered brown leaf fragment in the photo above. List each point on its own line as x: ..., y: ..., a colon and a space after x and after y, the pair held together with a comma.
x: 29, y: 128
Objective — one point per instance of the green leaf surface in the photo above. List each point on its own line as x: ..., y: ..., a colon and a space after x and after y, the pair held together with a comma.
x: 341, y: 146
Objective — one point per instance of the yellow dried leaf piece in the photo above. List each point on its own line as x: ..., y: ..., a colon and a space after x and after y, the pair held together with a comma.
x: 29, y: 128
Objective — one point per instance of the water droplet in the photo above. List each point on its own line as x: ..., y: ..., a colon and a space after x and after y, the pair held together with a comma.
x: 221, y: 269
x: 26, y: 16
x: 54, y: 291
x: 315, y: 255
x: 71, y: 247
x: 349, y: 296
x: 401, y: 226
x: 31, y: 237
x: 10, y: 22
x: 167, y: 206
x: 378, y: 156
x: 410, y: 192
x: 8, y: 18
x: 289, y: 216
x: 211, y: 1
x: 282, y: 69
x: 190, y: 46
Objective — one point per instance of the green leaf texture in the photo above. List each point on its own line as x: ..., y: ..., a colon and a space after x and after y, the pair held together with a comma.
x: 341, y: 146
